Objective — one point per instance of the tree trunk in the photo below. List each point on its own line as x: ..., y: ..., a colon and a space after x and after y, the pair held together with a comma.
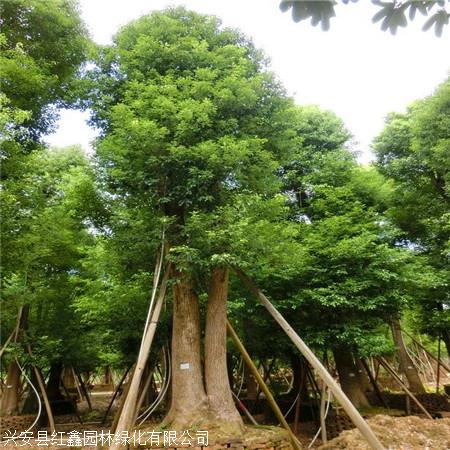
x: 10, y: 398
x: 217, y: 383
x: 54, y: 381
x: 363, y: 378
x: 250, y: 384
x: 348, y: 377
x: 406, y: 365
x: 446, y: 339
x: 189, y: 401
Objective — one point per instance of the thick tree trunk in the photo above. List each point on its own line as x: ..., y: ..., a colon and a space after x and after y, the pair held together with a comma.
x: 349, y: 379
x: 69, y: 378
x: 189, y: 401
x: 406, y: 365
x: 54, y: 381
x: 217, y: 383
x: 299, y: 373
x: 10, y: 398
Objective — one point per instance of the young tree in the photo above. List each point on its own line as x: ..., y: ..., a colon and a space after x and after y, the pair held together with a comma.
x: 61, y: 196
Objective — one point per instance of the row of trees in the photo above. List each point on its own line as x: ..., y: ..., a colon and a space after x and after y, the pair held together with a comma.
x: 200, y: 143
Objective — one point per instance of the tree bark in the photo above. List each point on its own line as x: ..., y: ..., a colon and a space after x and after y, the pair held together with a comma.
x: 10, y: 398
x: 349, y: 379
x: 446, y: 339
x: 217, y: 383
x: 53, y: 383
x: 406, y: 365
x: 250, y: 385
x: 363, y: 378
x: 189, y: 401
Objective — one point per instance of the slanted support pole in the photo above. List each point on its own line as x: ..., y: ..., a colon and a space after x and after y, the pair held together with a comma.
x: 263, y: 385
x: 127, y: 415
x: 438, y: 360
x: 349, y: 408
x: 374, y: 383
x: 41, y: 385
x: 391, y: 370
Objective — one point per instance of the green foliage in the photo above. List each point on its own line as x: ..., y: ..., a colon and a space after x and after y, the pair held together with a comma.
x: 42, y: 255
x: 191, y: 120
x: 413, y: 150
x: 42, y: 46
x: 392, y: 14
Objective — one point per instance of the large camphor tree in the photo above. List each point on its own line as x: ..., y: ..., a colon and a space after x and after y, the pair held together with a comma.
x: 191, y: 121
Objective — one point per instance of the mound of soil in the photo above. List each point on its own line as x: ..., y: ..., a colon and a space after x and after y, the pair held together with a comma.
x: 397, y: 433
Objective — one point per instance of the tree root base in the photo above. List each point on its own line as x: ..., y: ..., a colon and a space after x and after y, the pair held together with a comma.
x: 252, y: 438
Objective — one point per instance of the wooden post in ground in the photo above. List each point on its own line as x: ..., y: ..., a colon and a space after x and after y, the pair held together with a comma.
x: 323, y: 402
x: 273, y: 404
x: 391, y: 370
x: 438, y: 370
x: 352, y: 412
x: 299, y: 398
x: 127, y: 414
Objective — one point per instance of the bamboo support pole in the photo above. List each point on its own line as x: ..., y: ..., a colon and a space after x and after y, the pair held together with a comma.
x: 438, y: 370
x: 299, y: 399
x: 391, y: 370
x: 74, y: 403
x: 244, y: 409
x: 85, y: 392
x: 116, y: 393
x: 77, y: 385
x: 438, y: 360
x: 323, y: 402
x: 127, y: 414
x: 273, y: 404
x: 40, y: 380
x: 2, y: 350
x: 143, y: 394
x: 352, y: 412
x: 374, y: 384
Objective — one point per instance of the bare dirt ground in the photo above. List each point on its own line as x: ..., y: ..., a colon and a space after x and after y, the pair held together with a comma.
x: 398, y: 433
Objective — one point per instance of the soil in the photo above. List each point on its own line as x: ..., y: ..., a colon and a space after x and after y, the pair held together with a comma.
x: 398, y: 433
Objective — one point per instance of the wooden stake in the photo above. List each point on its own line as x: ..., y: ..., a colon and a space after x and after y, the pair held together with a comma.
x: 323, y: 427
x: 352, y: 412
x: 127, y: 415
x: 391, y: 370
x: 263, y: 385
x: 438, y: 371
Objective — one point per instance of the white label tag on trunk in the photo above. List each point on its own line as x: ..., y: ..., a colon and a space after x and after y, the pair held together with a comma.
x: 185, y: 366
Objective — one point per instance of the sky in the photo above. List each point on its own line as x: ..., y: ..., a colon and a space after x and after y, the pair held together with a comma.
x: 354, y: 69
